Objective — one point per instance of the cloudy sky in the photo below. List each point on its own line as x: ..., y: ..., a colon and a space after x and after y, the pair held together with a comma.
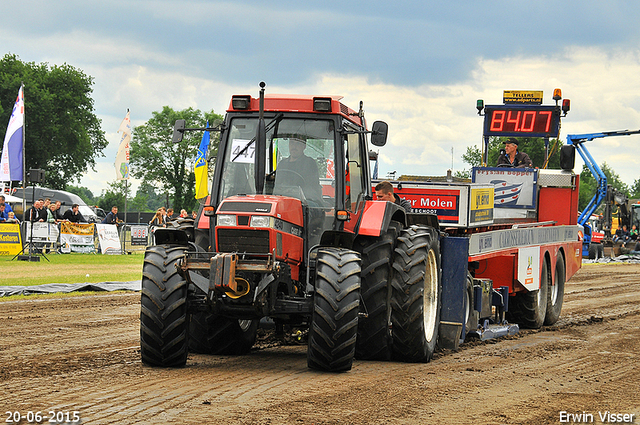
x: 418, y: 65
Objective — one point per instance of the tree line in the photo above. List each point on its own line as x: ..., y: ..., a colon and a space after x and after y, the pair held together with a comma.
x: 64, y: 138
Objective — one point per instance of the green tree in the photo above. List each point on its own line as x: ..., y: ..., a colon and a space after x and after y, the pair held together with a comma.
x: 114, y: 195
x: 588, y: 184
x: 147, y: 199
x: 161, y: 163
x: 82, y: 192
x: 63, y: 135
x: 534, y: 147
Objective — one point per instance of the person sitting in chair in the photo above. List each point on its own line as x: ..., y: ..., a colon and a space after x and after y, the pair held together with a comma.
x: 300, y: 170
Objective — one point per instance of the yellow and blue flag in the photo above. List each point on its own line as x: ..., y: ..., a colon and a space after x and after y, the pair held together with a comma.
x: 201, y: 168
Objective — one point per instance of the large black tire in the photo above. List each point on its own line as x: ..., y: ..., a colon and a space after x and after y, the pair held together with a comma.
x: 186, y: 224
x: 555, y: 293
x: 416, y: 294
x: 164, y: 322
x: 334, y: 322
x: 528, y: 309
x: 374, y: 332
x: 593, y: 251
x: 213, y: 334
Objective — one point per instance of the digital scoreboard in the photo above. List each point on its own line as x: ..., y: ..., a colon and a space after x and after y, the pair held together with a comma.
x: 522, y: 121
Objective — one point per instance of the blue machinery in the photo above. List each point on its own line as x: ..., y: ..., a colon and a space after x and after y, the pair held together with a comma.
x: 577, y: 141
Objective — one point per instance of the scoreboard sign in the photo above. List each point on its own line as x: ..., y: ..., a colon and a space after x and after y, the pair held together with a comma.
x: 522, y: 121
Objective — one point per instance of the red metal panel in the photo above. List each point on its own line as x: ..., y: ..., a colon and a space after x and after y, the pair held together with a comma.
x: 501, y: 270
x: 372, y: 218
x: 557, y: 204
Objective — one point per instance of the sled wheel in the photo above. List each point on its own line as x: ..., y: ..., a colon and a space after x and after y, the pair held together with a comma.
x: 555, y: 293
x: 213, y: 334
x: 528, y: 309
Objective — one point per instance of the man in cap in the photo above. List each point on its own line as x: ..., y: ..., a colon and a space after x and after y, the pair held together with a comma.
x: 300, y: 170
x: 512, y: 157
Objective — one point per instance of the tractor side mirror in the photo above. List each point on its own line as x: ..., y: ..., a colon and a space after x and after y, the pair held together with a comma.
x: 178, y: 131
x: 379, y: 133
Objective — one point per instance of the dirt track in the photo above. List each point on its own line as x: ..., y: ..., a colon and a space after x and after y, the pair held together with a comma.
x: 81, y: 354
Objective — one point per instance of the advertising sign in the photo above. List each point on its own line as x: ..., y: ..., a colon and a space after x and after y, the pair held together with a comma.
x: 10, y: 241
x: 76, y: 237
x: 108, y: 239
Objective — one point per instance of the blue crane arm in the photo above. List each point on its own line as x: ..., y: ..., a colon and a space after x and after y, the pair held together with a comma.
x: 578, y: 141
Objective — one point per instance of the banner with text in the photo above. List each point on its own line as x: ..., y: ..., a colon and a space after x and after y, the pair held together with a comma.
x: 76, y: 237
x: 10, y: 241
x: 108, y: 239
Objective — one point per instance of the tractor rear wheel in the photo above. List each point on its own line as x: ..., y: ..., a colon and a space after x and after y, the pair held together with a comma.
x: 529, y: 308
x: 213, y: 334
x: 555, y: 293
x: 374, y: 331
x: 416, y: 294
x: 164, y: 322
x: 334, y: 322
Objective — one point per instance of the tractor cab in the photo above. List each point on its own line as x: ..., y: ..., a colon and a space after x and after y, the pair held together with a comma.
x: 313, y: 150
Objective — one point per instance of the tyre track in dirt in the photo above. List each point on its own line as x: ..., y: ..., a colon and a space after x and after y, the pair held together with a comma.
x: 82, y: 353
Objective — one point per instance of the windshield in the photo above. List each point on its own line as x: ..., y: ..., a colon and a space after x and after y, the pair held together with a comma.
x: 299, y: 159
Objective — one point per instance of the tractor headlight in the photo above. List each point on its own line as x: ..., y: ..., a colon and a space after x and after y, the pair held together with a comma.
x: 260, y: 221
x: 226, y: 220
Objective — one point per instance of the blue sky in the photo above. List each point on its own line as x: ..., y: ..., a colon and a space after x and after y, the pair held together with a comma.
x: 420, y: 66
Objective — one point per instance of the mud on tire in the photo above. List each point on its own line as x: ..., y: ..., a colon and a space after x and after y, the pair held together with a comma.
x: 164, y: 322
x: 416, y: 294
x: 334, y: 322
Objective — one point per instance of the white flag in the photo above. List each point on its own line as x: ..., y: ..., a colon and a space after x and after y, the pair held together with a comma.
x: 11, y: 159
x: 122, y: 158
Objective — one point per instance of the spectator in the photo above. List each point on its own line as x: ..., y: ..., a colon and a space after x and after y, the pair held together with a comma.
x: 183, y: 213
x: 35, y: 213
x: 73, y: 215
x: 12, y: 218
x: 112, y: 217
x: 194, y: 214
x: 169, y: 215
x: 384, y: 192
x: 4, y: 216
x: 7, y: 207
x: 56, y: 210
x: 158, y: 219
x: 51, y: 216
x: 622, y: 235
x: 512, y: 157
x: 633, y: 233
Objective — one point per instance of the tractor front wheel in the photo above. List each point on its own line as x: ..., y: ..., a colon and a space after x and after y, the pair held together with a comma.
x: 164, y: 322
x: 334, y: 322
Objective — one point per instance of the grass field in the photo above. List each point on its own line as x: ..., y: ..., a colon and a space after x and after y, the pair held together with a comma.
x: 71, y: 268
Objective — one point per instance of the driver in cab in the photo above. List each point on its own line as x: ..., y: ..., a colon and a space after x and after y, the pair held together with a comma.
x: 300, y: 170
x: 512, y: 157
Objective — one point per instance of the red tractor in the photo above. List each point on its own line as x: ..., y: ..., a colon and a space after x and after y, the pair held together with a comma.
x: 291, y: 233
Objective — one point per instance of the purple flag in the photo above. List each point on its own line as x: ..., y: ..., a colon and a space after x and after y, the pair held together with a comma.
x: 11, y: 161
